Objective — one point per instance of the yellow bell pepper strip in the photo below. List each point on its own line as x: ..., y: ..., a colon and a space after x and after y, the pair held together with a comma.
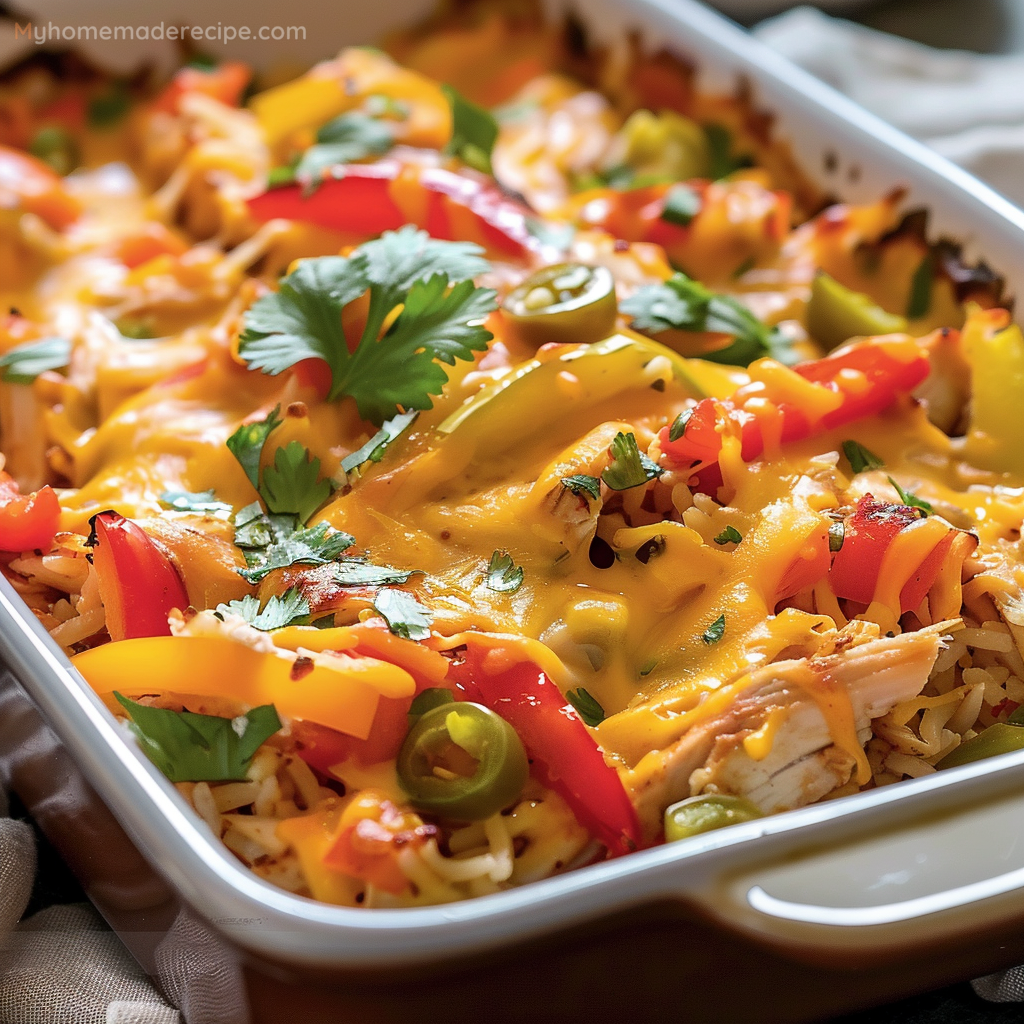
x: 835, y: 314
x: 311, y: 836
x: 994, y: 347
x: 535, y: 392
x: 341, y: 692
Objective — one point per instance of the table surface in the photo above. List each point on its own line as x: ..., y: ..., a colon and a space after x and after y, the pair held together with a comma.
x: 991, y: 26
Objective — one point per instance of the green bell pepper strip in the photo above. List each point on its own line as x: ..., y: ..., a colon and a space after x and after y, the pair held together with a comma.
x: 700, y: 814
x: 835, y: 314
x: 563, y: 304
x: 1000, y: 738
x: 432, y: 773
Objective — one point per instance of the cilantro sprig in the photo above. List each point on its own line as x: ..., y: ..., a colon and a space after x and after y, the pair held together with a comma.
x: 440, y: 320
x: 203, y: 502
x: 860, y: 458
x: 374, y: 449
x: 587, y: 706
x: 715, y: 631
x: 683, y: 304
x: 628, y: 467
x: 912, y: 500
x: 730, y: 535
x: 188, y: 747
x: 405, y: 616
x: 583, y: 486
x: 343, y: 140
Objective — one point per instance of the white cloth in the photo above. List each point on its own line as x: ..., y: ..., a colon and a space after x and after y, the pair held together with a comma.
x: 63, y: 965
x: 968, y: 106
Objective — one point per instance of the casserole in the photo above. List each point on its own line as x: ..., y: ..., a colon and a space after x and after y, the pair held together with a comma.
x: 403, y: 938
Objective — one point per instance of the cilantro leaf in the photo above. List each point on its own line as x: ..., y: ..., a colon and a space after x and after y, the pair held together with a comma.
x: 680, y: 303
x: 246, y: 443
x: 343, y: 140
x: 276, y: 541
x: 188, y: 747
x: 474, y: 131
x: 400, y: 368
x: 860, y: 458
x: 291, y: 484
x: 503, y: 575
x: 678, y: 427
x: 23, y: 363
x: 682, y: 204
x: 912, y: 500
x: 105, y: 110
x: 403, y: 268
x: 204, y: 502
x: 586, y: 706
x: 405, y: 616
x: 357, y: 572
x: 374, y: 449
x: 551, y: 235
x: 715, y: 631
x: 291, y: 607
x: 583, y: 485
x: 730, y: 535
x: 628, y: 467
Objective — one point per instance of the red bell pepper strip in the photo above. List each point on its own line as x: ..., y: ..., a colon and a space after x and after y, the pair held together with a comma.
x: 28, y: 184
x: 558, y: 743
x: 322, y: 747
x: 27, y: 521
x: 868, y: 532
x: 366, y: 199
x: 880, y: 376
x: 138, y: 583
x: 226, y: 83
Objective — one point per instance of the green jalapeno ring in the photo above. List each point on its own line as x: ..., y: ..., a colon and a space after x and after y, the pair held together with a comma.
x: 700, y: 814
x: 566, y: 303
x: 462, y: 761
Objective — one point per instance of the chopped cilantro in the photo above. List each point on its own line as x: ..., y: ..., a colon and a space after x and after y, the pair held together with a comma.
x: 920, y: 299
x: 357, y: 572
x: 715, y: 631
x: 374, y: 449
x: 23, y: 363
x: 287, y: 610
x: 276, y: 541
x: 628, y: 467
x: 343, y: 140
x: 474, y: 131
x: 860, y: 458
x: 682, y: 204
x: 680, y: 303
x: 912, y: 500
x: 503, y: 575
x: 291, y: 484
x: 583, y: 485
x: 586, y: 705
x: 730, y: 535
x: 405, y: 616
x: 188, y: 747
x: 678, y: 427
x: 551, y: 235
x: 204, y: 502
x: 441, y: 319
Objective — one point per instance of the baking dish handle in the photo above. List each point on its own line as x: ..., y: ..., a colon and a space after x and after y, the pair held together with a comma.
x: 925, y: 880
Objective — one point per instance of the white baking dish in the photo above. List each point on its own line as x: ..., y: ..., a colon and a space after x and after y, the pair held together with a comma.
x: 880, y: 874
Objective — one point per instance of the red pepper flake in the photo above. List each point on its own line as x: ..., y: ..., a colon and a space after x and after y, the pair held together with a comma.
x: 302, y: 667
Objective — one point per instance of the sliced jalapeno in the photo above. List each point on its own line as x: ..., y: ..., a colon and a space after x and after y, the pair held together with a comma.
x: 462, y: 761
x: 566, y: 303
x: 701, y: 814
x: 835, y: 314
